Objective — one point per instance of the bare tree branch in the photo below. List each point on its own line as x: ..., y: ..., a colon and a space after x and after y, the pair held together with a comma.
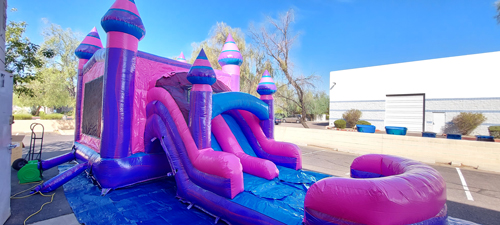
x: 497, y: 4
x: 277, y: 43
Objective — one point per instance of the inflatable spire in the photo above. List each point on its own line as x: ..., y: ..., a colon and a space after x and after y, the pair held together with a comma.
x: 181, y: 58
x: 266, y: 85
x: 266, y: 89
x: 123, y: 16
x: 230, y: 59
x: 201, y: 75
x: 90, y: 44
x: 124, y: 30
x: 201, y: 72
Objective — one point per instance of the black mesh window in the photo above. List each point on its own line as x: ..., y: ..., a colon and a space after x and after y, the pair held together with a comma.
x: 92, y: 108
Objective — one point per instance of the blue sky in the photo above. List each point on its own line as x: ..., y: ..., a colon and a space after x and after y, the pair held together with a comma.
x: 335, y: 34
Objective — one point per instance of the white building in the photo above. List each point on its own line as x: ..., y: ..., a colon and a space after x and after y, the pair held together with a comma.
x: 421, y: 95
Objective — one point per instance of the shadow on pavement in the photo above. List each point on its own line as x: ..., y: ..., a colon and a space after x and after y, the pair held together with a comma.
x: 320, y: 123
x: 473, y: 213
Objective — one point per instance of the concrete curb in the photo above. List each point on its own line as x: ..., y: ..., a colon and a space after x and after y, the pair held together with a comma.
x: 475, y: 154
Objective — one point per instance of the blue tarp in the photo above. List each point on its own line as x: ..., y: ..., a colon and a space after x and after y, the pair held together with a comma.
x: 147, y: 203
x: 281, y: 198
x: 155, y: 202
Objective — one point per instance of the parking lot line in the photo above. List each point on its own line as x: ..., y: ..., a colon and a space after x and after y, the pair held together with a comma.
x: 464, y: 185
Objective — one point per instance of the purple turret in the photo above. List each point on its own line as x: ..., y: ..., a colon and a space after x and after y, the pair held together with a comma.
x: 181, y: 58
x: 124, y: 29
x: 90, y: 44
x: 266, y: 89
x: 230, y: 59
x: 202, y: 76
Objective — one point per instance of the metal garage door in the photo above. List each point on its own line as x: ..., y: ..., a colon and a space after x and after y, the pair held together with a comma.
x: 405, y: 110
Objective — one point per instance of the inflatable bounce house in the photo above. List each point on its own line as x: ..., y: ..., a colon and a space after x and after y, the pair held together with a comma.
x: 141, y: 117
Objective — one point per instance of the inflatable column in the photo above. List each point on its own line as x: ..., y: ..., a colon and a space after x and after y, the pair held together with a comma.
x: 230, y: 59
x: 266, y: 89
x: 124, y: 29
x: 90, y: 44
x: 202, y: 76
x: 181, y: 58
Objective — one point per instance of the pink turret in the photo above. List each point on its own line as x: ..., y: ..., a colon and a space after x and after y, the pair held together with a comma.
x: 181, y: 58
x: 266, y: 89
x: 90, y: 44
x: 230, y: 59
x: 124, y: 29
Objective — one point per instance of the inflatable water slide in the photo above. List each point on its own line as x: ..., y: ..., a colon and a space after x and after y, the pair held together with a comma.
x: 141, y: 117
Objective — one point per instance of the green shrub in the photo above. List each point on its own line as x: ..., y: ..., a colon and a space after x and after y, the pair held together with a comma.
x: 22, y: 116
x: 340, y: 124
x: 53, y: 116
x: 351, y: 117
x: 468, y: 122
x: 363, y: 122
x: 494, y: 131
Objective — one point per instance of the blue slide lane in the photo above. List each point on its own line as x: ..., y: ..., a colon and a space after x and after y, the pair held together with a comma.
x: 281, y: 198
x: 240, y: 136
x: 215, y: 145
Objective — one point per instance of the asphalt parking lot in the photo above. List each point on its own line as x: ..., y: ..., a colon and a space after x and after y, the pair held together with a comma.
x: 481, y: 206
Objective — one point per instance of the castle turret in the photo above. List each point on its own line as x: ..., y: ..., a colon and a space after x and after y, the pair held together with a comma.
x: 230, y: 59
x: 181, y: 58
x: 124, y: 29
x: 90, y: 44
x: 202, y: 76
x: 266, y: 89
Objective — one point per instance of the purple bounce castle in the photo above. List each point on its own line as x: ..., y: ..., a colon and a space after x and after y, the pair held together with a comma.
x: 141, y: 117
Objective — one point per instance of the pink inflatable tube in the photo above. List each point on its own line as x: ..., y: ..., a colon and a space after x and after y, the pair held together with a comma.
x: 400, y: 191
x: 270, y: 145
x: 252, y: 165
x: 207, y: 160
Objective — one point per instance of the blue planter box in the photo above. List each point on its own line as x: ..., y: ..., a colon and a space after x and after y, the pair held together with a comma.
x: 429, y: 134
x: 454, y: 136
x: 366, y: 128
x: 485, y: 138
x: 396, y: 130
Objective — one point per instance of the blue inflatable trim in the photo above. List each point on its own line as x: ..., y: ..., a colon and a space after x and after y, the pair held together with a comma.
x: 123, y: 21
x: 201, y: 80
x: 237, y: 100
x: 364, y: 174
x: 231, y: 61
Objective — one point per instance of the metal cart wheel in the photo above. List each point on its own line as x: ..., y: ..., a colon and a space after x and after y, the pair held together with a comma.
x: 32, y: 154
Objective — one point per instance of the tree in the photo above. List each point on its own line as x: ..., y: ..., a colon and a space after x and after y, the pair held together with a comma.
x: 284, y: 99
x: 254, y: 61
x: 277, y: 44
x: 63, y: 43
x: 56, y: 80
x: 318, y: 103
x: 22, y: 57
